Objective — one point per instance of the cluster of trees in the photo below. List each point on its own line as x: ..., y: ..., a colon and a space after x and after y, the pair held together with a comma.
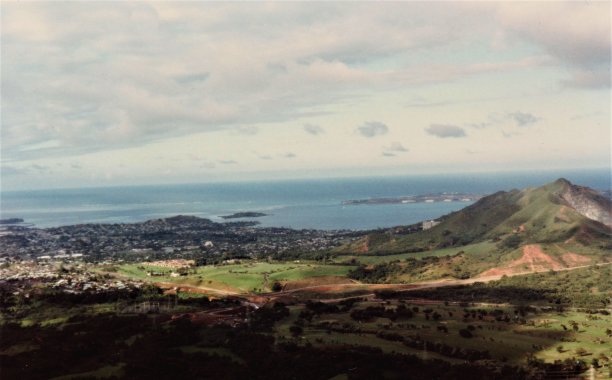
x: 156, y: 352
x: 316, y: 308
x: 265, y: 317
x: 511, y: 242
x: 438, y: 347
x: 59, y: 297
x: 378, y: 273
x: 568, y: 368
x: 384, y: 271
x: 371, y: 312
x: 558, y: 288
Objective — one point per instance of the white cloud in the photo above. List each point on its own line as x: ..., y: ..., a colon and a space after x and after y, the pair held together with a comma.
x: 134, y: 79
x: 97, y: 77
x: 576, y: 33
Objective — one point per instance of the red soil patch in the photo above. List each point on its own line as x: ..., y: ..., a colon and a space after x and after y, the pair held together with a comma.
x: 365, y: 246
x: 533, y: 260
x: 574, y: 259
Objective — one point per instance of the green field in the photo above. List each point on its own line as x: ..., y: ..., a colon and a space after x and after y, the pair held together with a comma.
x: 250, y: 276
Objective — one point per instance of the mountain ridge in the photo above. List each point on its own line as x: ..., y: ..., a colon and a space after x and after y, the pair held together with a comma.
x: 554, y: 226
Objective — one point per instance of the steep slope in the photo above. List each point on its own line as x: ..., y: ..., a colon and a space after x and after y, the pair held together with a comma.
x: 554, y: 226
x: 468, y: 225
x: 586, y: 201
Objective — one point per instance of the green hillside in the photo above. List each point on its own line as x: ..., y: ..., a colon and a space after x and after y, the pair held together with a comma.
x: 516, y: 231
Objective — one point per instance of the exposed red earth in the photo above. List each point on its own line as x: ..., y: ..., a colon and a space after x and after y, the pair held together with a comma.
x: 533, y: 260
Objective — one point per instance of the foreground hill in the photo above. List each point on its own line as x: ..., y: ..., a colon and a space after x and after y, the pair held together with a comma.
x: 556, y: 226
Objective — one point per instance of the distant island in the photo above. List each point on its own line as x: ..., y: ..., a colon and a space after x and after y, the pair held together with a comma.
x: 248, y: 214
x: 424, y: 198
x: 11, y: 221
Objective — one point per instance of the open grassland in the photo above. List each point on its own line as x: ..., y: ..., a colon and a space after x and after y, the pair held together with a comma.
x: 250, y: 276
x: 502, y: 333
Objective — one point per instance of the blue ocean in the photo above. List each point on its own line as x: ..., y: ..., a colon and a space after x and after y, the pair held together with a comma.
x: 313, y: 203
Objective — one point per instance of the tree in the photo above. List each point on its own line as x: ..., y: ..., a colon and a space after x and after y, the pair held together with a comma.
x: 511, y: 242
x: 560, y: 348
x: 277, y: 287
x: 296, y: 330
x: 580, y: 351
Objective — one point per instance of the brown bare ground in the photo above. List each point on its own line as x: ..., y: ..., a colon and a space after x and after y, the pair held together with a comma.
x: 365, y: 246
x: 574, y: 259
x: 317, y: 280
x: 534, y: 259
x: 561, y: 214
x: 194, y: 289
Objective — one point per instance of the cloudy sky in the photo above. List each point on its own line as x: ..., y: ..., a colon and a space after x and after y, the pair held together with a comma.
x: 97, y: 94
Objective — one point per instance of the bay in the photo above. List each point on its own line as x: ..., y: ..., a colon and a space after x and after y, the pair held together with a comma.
x: 311, y: 203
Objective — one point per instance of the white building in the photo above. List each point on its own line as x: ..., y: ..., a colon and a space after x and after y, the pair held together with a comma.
x: 429, y: 224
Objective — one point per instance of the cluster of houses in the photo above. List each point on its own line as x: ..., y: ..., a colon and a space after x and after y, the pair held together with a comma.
x: 22, y: 275
x: 177, y: 237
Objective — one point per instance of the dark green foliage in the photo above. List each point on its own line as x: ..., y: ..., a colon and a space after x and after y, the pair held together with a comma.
x: 319, y: 307
x: 511, y: 242
x: 379, y: 273
x: 383, y: 271
x: 563, y: 288
x: 155, y: 354
x: 276, y: 286
x: 371, y: 312
x: 265, y: 317
x: 296, y: 330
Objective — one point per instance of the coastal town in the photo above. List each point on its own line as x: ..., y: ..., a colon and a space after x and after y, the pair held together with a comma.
x: 180, y: 237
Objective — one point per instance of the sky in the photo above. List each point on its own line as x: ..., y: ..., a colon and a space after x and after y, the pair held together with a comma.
x: 129, y: 93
